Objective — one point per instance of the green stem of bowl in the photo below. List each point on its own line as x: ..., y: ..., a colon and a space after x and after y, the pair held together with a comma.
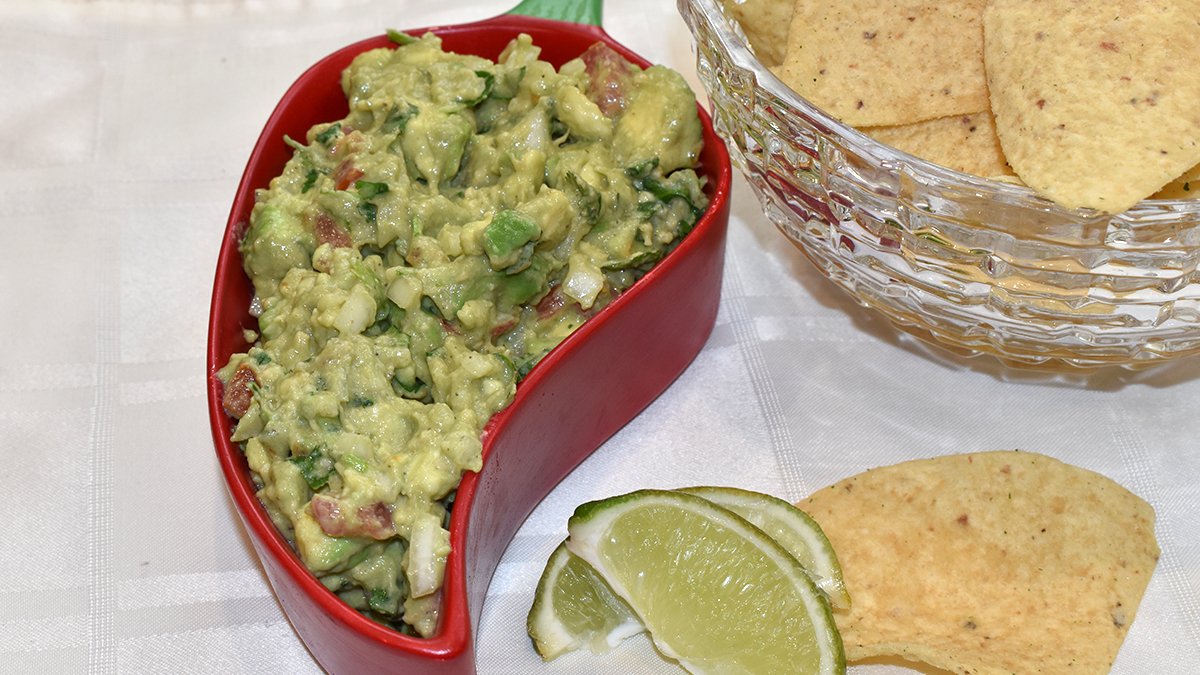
x: 588, y: 12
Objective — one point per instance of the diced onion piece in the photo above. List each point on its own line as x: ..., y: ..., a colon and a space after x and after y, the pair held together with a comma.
x: 427, y: 549
x: 532, y: 133
x: 581, y: 115
x: 356, y: 313
x: 405, y: 291
x: 584, y: 280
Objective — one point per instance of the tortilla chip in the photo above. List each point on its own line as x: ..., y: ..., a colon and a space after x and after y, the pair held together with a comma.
x: 1186, y: 186
x: 966, y: 143
x: 765, y: 23
x: 874, y: 63
x: 1097, y: 104
x: 997, y: 562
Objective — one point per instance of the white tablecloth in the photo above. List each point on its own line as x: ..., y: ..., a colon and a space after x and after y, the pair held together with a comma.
x: 124, y: 127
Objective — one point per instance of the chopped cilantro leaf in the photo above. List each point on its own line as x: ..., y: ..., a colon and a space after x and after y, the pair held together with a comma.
x: 329, y: 134
x: 642, y: 169
x: 398, y: 119
x: 315, y: 467
x: 360, y: 402
x: 369, y: 190
x: 368, y: 211
x: 310, y: 179
x: 489, y: 82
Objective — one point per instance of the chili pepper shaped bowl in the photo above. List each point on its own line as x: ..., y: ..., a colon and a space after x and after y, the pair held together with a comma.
x: 581, y: 393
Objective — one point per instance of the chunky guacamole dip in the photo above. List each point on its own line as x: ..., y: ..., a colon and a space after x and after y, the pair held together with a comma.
x: 414, y: 261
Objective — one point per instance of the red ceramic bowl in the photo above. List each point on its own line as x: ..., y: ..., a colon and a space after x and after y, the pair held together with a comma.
x: 580, y: 394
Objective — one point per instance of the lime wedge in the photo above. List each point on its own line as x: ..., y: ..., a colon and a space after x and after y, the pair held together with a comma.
x: 715, y: 592
x: 792, y: 528
x: 573, y: 607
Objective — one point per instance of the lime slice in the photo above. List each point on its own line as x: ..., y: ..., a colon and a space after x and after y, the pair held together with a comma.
x: 716, y: 593
x: 792, y: 528
x: 573, y: 607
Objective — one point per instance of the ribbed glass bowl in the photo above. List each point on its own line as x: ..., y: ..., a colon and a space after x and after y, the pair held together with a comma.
x: 976, y: 266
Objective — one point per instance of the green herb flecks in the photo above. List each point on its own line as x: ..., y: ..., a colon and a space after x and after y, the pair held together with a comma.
x: 331, y: 132
x: 315, y: 467
x: 310, y: 179
x: 381, y: 601
x: 585, y: 198
x: 355, y: 462
x: 367, y: 191
x: 667, y: 190
x: 642, y: 169
x: 489, y: 83
x: 398, y: 118
x: 368, y: 211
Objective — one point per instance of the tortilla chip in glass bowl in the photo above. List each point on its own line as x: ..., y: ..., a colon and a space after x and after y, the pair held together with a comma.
x: 976, y: 265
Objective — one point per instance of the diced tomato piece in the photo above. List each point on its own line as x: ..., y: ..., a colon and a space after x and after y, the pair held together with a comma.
x: 609, y: 75
x: 238, y: 393
x: 327, y: 231
x: 503, y: 327
x: 348, y: 142
x: 345, y: 175
x: 551, y: 303
x: 328, y: 513
x: 376, y: 520
x: 372, y: 520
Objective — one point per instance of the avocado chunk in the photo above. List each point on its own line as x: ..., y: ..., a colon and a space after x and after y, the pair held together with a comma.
x: 276, y: 241
x: 659, y: 122
x: 505, y: 237
x: 434, y: 143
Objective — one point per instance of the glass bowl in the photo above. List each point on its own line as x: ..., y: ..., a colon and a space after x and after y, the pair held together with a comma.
x: 976, y: 266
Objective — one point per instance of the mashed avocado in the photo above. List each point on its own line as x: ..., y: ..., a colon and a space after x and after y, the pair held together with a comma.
x: 414, y: 261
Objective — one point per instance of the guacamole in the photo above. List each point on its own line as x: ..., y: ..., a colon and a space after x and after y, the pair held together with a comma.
x: 413, y: 261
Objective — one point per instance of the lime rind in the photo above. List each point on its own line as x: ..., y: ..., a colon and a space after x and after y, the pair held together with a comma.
x: 592, y: 530
x: 792, y: 528
x: 550, y: 636
x: 574, y: 607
